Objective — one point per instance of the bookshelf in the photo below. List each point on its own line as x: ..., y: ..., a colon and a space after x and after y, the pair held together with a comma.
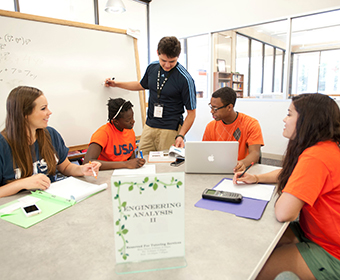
x: 232, y: 80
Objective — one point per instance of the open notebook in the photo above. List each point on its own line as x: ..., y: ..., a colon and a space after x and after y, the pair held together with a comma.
x: 59, y: 196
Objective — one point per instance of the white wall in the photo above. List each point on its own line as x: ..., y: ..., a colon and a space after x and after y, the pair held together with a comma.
x: 184, y: 18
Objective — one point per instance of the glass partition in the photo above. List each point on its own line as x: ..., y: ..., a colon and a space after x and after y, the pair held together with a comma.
x: 198, y: 63
x: 256, y: 57
x: 256, y: 53
x: 242, y: 59
x: 256, y: 66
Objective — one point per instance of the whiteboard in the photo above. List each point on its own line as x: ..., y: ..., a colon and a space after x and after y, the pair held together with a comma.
x: 69, y: 63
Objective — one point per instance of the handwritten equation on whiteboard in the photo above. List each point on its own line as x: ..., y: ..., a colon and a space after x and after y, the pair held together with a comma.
x: 9, y: 59
x: 9, y: 39
x: 15, y: 71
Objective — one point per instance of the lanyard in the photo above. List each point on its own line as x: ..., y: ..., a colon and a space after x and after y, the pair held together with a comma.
x: 159, y: 89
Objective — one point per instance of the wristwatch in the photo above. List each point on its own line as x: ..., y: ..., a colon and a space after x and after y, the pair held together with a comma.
x: 179, y: 135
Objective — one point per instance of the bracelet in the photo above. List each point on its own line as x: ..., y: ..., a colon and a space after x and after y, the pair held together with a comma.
x: 257, y: 179
x: 179, y: 135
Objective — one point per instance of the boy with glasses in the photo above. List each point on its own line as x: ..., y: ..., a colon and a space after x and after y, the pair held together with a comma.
x: 230, y: 125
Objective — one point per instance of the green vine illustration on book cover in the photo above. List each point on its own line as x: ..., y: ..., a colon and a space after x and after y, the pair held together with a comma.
x: 154, y: 184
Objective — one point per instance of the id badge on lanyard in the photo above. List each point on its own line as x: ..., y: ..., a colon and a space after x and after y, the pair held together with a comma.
x: 158, y: 108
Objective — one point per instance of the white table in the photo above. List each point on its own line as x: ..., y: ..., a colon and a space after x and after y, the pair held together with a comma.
x: 78, y: 243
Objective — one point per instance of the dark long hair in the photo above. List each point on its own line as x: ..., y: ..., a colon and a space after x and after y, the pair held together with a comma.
x: 20, y: 104
x: 318, y: 120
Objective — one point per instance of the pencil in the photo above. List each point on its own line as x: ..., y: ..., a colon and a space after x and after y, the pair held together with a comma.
x: 94, y: 173
x: 250, y: 165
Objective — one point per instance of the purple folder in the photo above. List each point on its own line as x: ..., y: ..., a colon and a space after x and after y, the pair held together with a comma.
x: 248, y: 208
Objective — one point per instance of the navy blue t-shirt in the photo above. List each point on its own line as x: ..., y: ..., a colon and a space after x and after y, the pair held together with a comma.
x: 178, y: 92
x: 39, y: 165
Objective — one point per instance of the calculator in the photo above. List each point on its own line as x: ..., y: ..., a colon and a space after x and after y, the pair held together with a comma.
x: 222, y: 195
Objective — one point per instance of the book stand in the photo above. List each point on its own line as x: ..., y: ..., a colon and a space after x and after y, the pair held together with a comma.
x: 148, y: 213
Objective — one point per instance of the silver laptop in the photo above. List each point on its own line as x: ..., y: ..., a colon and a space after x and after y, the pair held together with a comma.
x: 211, y: 156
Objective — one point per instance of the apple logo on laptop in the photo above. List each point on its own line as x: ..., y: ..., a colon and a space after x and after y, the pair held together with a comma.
x: 211, y: 158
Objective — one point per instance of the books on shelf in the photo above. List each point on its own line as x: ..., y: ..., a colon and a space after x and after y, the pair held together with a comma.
x: 59, y: 196
x: 224, y: 84
x: 237, y: 77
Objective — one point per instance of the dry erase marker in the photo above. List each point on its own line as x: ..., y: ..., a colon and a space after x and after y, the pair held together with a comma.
x: 106, y: 82
x: 250, y: 165
x: 94, y: 173
x: 111, y: 80
x: 141, y: 154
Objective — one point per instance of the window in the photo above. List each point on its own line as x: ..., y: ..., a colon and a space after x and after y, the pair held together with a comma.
x: 329, y: 82
x: 268, y: 69
x: 75, y: 10
x: 242, y: 59
x: 305, y: 73
x: 198, y: 62
x: 278, y: 71
x: 316, y: 72
x: 256, y: 68
x: 316, y: 53
x: 7, y: 5
x: 257, y: 52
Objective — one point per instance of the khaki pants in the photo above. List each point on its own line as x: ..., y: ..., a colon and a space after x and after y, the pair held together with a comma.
x: 157, y: 139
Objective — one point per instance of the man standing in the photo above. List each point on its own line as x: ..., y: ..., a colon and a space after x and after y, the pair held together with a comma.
x: 229, y: 125
x: 171, y: 88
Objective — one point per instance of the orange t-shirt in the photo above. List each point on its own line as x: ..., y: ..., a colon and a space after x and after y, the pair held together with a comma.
x: 116, y: 145
x: 316, y: 181
x: 245, y: 129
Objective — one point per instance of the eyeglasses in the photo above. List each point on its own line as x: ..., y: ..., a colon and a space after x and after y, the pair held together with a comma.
x: 216, y: 109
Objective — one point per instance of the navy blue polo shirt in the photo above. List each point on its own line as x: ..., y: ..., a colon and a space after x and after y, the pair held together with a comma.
x: 178, y: 92
x: 39, y: 165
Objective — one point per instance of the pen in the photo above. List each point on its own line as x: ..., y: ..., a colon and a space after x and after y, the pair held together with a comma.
x: 141, y: 154
x: 94, y: 173
x: 137, y: 152
x: 250, y: 165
